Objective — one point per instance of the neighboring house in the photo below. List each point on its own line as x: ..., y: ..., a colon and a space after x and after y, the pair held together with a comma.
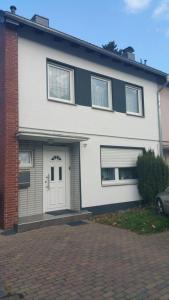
x: 74, y: 116
x: 165, y: 122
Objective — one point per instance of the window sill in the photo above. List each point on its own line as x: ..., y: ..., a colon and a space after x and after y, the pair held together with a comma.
x: 135, y: 115
x: 100, y: 108
x: 61, y: 102
x: 120, y: 183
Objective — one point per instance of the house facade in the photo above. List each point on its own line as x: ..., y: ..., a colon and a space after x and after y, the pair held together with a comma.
x: 74, y: 118
x: 165, y: 122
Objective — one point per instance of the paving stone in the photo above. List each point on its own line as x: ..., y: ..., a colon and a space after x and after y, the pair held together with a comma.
x: 85, y: 262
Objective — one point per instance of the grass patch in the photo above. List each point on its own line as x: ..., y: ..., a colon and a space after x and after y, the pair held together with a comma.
x: 140, y: 220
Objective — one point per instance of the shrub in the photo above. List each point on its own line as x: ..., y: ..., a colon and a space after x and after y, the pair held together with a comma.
x: 153, y: 175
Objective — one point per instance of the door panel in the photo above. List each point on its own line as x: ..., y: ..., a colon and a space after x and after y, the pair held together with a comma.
x: 60, y: 196
x: 55, y: 180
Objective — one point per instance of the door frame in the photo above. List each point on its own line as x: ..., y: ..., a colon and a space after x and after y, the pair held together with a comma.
x: 66, y: 150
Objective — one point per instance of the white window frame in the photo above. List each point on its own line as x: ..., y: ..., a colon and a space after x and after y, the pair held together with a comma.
x: 140, y: 100
x: 117, y: 180
x: 29, y: 165
x: 109, y: 93
x: 108, y: 182
x: 126, y: 181
x: 107, y: 161
x: 72, y: 93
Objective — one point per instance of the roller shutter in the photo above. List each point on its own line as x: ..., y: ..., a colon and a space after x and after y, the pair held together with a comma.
x: 119, y: 157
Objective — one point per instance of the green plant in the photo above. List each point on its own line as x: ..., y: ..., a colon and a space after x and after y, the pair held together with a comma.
x: 112, y: 47
x: 153, y: 175
x: 140, y: 220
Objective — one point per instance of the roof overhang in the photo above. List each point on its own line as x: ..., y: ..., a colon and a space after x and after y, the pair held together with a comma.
x: 51, y: 138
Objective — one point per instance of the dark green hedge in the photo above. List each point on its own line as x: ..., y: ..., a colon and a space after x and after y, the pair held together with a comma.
x: 153, y: 175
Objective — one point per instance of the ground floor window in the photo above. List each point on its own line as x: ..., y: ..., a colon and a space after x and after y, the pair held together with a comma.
x: 108, y: 174
x: 25, y: 159
x: 118, y: 165
x: 127, y: 173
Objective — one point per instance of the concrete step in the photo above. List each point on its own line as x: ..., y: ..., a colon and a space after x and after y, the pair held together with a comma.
x: 47, y: 219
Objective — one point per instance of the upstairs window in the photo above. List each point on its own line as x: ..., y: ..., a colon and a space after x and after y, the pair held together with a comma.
x: 101, y: 93
x: 60, y: 83
x: 134, y: 103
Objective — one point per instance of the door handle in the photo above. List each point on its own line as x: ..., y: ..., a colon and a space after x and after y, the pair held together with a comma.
x: 48, y: 181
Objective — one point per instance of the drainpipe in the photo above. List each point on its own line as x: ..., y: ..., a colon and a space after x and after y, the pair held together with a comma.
x: 159, y: 114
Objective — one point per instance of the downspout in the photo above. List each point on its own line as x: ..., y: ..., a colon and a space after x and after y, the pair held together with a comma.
x: 159, y: 114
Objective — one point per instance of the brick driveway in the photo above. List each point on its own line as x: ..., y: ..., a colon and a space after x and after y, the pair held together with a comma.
x: 90, y: 261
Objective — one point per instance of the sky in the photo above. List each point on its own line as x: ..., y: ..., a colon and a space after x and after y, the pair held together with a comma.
x: 142, y: 24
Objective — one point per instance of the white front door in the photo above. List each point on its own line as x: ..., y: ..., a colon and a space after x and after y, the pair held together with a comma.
x: 54, y: 179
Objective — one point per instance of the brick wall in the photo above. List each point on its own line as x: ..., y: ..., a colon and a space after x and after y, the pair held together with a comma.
x: 8, y: 127
x: 1, y: 125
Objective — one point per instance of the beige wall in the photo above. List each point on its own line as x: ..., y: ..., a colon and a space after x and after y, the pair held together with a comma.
x: 165, y: 115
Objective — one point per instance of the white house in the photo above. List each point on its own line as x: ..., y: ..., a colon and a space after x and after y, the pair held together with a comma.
x: 75, y: 116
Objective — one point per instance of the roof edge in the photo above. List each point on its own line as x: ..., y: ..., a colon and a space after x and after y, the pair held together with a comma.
x: 7, y: 15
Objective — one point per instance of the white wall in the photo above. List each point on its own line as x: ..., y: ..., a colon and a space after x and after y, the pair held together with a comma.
x: 102, y: 127
x: 35, y: 111
x: 93, y: 194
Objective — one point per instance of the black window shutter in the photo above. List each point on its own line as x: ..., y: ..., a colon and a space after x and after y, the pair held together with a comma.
x: 118, y: 95
x: 82, y: 87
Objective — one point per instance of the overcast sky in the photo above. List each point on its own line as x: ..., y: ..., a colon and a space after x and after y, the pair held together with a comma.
x: 142, y: 24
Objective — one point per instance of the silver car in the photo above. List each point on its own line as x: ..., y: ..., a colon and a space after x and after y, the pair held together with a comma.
x: 162, y: 202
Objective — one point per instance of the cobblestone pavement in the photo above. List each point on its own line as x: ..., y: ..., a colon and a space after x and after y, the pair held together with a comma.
x: 86, y: 262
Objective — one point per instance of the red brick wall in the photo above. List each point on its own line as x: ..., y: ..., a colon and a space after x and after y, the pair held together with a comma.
x: 8, y: 127
x: 1, y: 125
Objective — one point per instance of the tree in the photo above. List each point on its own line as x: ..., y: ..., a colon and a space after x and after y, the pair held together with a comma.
x: 112, y: 47
x: 153, y: 175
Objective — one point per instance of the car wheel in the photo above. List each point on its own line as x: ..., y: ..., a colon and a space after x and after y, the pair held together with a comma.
x: 159, y: 207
